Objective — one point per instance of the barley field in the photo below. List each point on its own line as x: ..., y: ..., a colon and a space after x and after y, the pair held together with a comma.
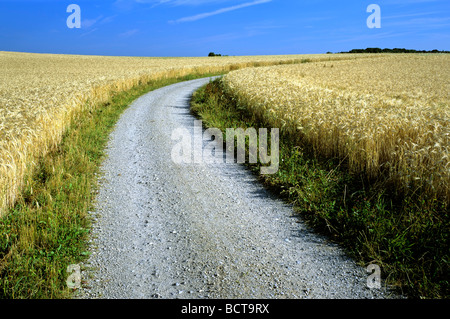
x: 41, y: 93
x: 387, y: 116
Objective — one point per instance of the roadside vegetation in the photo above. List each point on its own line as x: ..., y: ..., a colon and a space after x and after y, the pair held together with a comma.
x: 405, y: 233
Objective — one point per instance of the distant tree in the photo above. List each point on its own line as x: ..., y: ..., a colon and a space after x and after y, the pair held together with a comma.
x: 373, y: 50
x: 213, y: 54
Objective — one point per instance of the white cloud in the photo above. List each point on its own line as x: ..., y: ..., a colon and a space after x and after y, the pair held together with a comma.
x: 172, y: 2
x: 409, y: 15
x: 219, y: 11
x: 87, y: 23
x: 183, y: 2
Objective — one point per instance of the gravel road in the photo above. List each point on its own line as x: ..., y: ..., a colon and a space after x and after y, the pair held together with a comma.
x: 167, y: 230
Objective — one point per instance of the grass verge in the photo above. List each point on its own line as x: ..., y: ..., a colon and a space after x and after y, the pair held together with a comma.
x: 407, y: 236
x: 48, y: 228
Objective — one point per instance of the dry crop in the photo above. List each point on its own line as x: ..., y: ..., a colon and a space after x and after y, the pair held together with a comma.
x: 387, y: 115
x: 40, y: 94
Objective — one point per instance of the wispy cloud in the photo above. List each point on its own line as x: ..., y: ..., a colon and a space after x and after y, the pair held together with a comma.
x: 219, y: 11
x: 129, y: 3
x: 129, y: 33
x: 409, y: 15
x: 181, y: 2
x: 88, y: 32
x: 88, y: 23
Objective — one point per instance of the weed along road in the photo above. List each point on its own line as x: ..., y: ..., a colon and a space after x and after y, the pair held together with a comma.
x: 170, y: 228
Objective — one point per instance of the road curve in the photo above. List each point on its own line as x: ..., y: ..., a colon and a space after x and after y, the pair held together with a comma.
x: 167, y: 230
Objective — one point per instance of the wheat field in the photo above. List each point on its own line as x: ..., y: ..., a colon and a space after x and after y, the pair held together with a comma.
x: 41, y: 93
x: 387, y: 115
x: 389, y: 112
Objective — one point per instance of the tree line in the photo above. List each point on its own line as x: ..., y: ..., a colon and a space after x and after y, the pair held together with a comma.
x: 395, y: 50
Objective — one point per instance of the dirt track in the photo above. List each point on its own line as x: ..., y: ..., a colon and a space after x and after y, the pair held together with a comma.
x: 165, y: 230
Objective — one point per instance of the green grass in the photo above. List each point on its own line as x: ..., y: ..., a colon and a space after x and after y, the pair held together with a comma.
x: 48, y: 229
x: 407, y: 236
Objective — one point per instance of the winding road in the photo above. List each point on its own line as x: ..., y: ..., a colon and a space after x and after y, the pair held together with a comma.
x: 199, y: 230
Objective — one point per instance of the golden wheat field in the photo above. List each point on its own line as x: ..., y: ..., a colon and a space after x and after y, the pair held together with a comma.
x: 389, y: 113
x: 40, y: 93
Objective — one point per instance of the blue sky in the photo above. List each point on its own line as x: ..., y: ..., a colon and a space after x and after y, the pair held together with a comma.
x: 233, y: 27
